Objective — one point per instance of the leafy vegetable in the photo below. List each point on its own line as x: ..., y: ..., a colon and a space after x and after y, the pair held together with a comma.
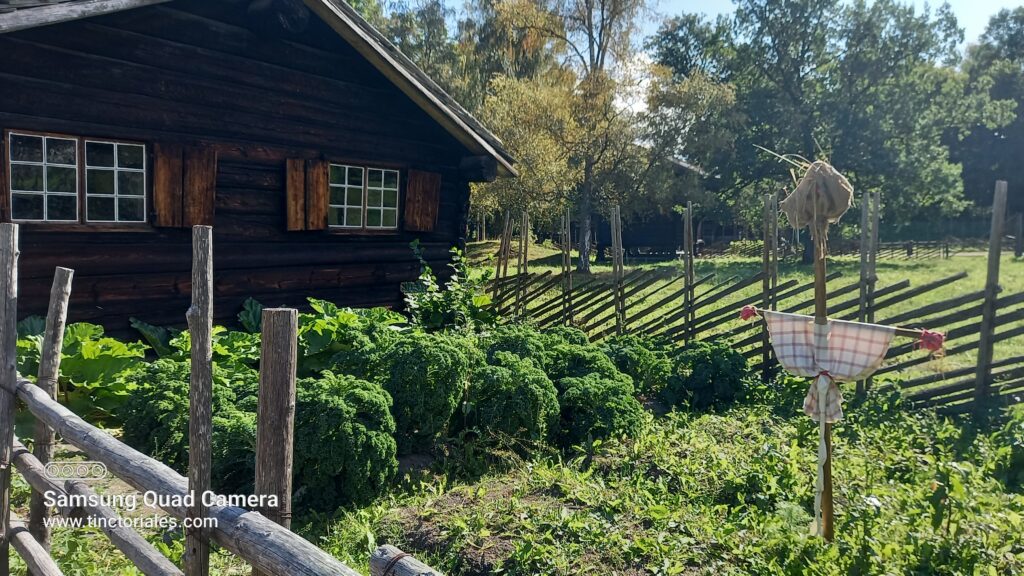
x: 706, y: 375
x: 513, y: 397
x: 594, y: 407
x: 642, y: 358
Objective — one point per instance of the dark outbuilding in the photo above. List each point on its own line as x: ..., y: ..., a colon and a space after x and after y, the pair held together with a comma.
x: 314, y: 148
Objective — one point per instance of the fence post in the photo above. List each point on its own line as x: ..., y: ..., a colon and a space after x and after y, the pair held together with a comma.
x: 9, y: 376
x: 275, y: 420
x: 688, y: 273
x: 1018, y: 246
x: 988, y: 307
x: 200, y: 406
x: 767, y: 288
x: 49, y: 370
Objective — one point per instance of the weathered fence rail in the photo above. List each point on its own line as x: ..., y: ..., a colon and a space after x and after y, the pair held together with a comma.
x: 264, y: 542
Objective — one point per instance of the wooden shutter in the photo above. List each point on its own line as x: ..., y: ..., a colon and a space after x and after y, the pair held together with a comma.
x: 307, y: 190
x: 184, y: 185
x: 317, y: 193
x: 295, y: 194
x: 168, y: 179
x: 422, y: 197
x: 5, y: 182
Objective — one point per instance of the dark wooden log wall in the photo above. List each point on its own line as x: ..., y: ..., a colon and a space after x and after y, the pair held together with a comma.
x: 193, y: 71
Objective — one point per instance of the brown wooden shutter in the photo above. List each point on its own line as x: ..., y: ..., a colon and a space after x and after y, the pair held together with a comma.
x: 168, y: 178
x: 422, y: 197
x: 317, y: 193
x: 307, y: 190
x: 200, y: 192
x: 295, y: 194
x: 184, y: 185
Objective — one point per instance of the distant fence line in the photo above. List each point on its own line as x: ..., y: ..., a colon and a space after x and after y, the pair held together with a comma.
x: 677, y: 309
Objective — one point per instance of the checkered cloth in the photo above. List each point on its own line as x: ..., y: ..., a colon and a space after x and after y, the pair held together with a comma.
x: 835, y: 351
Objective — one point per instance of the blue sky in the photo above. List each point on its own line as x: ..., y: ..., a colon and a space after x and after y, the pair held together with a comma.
x: 973, y: 15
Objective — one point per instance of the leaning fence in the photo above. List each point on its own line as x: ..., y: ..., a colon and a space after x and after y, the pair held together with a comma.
x: 259, y: 537
x: 680, y: 307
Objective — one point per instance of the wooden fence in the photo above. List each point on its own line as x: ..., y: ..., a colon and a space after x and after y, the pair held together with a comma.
x: 261, y: 539
x: 678, y: 307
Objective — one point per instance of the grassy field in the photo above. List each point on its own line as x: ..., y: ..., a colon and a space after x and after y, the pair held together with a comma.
x: 917, y: 272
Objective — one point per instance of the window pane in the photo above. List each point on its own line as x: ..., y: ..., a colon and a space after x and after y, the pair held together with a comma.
x: 390, y: 218
x: 26, y: 177
x: 354, y: 217
x: 130, y: 183
x: 99, y: 182
x: 354, y: 197
x: 391, y: 179
x: 373, y: 197
x: 334, y: 217
x: 61, y: 179
x: 337, y: 174
x: 355, y: 177
x: 373, y: 218
x: 100, y: 208
x: 391, y: 198
x: 60, y: 151
x: 99, y: 154
x: 337, y: 195
x: 26, y: 148
x: 376, y: 178
x: 130, y: 209
x: 130, y: 156
x: 61, y: 207
x: 27, y: 206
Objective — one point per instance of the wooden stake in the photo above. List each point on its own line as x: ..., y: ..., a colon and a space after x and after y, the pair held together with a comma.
x: 865, y: 244
x: 200, y: 398
x: 766, y: 282
x: 1018, y: 245
x: 275, y: 423
x: 688, y: 272
x: 988, y: 307
x: 821, y: 318
x: 8, y: 377
x: 49, y: 370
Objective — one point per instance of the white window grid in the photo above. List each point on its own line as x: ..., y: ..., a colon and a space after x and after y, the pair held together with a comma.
x: 44, y: 164
x: 116, y: 169
x: 344, y: 187
x: 387, y: 210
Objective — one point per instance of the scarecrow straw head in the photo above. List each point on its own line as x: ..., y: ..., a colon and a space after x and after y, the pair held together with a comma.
x: 821, y: 198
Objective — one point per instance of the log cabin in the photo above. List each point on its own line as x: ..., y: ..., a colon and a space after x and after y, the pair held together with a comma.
x: 315, y: 149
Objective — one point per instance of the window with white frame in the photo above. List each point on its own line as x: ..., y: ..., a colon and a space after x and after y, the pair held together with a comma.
x: 115, y: 182
x: 70, y: 179
x: 363, y: 198
x: 43, y: 178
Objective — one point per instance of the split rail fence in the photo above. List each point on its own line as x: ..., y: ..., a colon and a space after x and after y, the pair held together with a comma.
x: 261, y: 538
x: 679, y: 307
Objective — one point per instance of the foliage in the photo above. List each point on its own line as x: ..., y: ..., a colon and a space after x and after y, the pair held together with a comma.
x: 513, y: 397
x: 251, y: 316
x: 575, y: 361
x: 344, y: 340
x: 344, y: 449
x: 1010, y: 464
x: 642, y: 358
x: 426, y: 375
x: 461, y: 304
x: 742, y: 480
x: 155, y: 416
x: 707, y: 375
x: 90, y: 364
x: 568, y: 334
x: 594, y: 407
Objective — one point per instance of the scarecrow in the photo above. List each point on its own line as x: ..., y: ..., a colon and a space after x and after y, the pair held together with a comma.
x: 828, y: 351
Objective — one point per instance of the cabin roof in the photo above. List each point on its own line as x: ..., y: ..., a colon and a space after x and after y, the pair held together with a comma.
x: 344, y: 20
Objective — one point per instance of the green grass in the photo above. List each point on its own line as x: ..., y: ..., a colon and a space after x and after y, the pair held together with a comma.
x: 728, y: 493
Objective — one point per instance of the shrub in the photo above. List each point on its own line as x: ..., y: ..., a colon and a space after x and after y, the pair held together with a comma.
x: 155, y: 415
x: 344, y: 449
x: 513, y: 397
x: 706, y: 375
x: 344, y: 339
x: 574, y: 361
x: 426, y: 375
x: 594, y: 407
x: 641, y: 358
x: 460, y: 304
x: 566, y: 334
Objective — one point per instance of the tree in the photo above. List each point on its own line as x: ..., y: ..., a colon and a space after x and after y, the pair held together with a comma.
x: 996, y: 68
